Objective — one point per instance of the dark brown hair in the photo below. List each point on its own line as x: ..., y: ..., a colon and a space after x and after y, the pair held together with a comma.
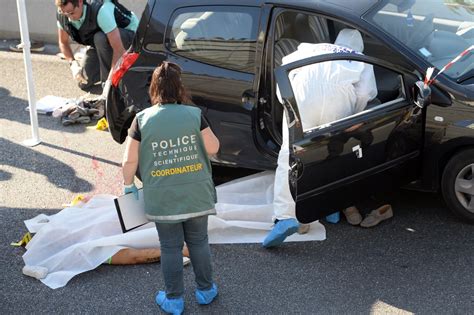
x: 61, y: 3
x: 166, y: 86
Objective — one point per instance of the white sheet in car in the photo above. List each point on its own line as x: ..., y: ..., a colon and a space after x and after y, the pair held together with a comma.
x: 80, y: 238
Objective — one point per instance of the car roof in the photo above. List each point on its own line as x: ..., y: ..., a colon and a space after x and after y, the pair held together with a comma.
x: 346, y: 7
x: 358, y: 7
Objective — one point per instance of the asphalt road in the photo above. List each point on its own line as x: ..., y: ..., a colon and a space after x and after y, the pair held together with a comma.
x: 420, y: 261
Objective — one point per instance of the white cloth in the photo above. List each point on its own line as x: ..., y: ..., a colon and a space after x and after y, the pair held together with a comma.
x: 324, y: 92
x: 80, y: 238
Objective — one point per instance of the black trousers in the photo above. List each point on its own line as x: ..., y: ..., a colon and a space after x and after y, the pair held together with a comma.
x: 97, y: 61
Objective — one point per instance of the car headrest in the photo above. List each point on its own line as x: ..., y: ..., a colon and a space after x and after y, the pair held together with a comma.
x: 279, y: 27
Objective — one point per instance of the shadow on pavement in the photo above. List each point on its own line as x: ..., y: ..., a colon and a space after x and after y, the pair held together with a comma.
x: 418, y: 262
x: 5, y: 175
x: 57, y: 172
x: 223, y: 174
x: 413, y: 262
x: 81, y: 154
x: 13, y: 109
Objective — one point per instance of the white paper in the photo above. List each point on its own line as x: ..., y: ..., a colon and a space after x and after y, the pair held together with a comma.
x: 425, y: 52
x: 131, y: 211
x: 49, y: 103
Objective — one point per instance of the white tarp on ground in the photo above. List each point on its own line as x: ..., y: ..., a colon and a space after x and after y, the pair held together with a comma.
x: 80, y: 238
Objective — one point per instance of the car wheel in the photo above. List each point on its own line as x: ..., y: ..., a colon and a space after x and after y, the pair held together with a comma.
x: 457, y: 185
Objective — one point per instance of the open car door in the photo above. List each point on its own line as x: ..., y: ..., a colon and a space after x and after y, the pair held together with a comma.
x: 334, y: 165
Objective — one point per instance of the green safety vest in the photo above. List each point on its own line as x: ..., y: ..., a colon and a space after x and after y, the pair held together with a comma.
x: 175, y: 169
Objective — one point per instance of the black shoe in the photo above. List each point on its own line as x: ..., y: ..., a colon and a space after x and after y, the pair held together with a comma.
x: 35, y: 46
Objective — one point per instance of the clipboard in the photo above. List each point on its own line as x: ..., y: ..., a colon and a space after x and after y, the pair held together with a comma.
x: 131, y: 212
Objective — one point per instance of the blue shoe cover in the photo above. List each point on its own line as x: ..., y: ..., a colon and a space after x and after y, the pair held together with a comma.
x: 333, y: 218
x: 280, y: 232
x: 170, y: 306
x: 205, y: 297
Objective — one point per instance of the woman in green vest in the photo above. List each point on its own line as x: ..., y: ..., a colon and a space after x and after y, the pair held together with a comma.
x: 170, y: 142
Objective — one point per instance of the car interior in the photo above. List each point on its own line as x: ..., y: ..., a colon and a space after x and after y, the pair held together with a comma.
x: 292, y: 29
x: 436, y: 40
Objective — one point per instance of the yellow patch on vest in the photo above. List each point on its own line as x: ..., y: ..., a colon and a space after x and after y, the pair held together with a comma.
x: 177, y: 170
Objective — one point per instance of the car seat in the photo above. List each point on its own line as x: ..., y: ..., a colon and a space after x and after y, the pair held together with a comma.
x: 285, y: 43
x: 292, y: 29
x: 319, y: 28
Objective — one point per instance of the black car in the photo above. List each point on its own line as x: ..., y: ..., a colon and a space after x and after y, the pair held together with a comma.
x: 231, y: 54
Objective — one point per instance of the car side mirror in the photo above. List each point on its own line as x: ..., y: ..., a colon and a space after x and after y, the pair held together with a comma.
x: 248, y: 97
x: 422, y: 94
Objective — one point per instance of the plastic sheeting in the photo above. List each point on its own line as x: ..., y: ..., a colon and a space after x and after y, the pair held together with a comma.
x: 80, y: 238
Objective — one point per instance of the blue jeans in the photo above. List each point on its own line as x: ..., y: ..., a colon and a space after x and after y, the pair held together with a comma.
x: 172, y: 237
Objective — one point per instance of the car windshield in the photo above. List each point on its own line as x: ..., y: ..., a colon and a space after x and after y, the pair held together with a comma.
x: 436, y: 30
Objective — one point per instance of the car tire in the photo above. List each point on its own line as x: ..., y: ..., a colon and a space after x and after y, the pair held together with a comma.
x: 457, y: 185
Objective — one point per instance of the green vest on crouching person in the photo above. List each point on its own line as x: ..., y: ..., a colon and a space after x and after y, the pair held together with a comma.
x: 83, y: 30
x: 176, y: 171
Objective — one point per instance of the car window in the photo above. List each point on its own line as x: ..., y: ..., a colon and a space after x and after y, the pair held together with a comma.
x: 328, y: 92
x: 436, y: 30
x: 220, y: 36
x: 333, y: 91
x: 295, y: 27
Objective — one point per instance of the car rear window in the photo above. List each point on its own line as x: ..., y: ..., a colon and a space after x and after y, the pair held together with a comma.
x: 221, y: 36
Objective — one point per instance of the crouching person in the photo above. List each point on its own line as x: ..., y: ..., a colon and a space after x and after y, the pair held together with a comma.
x: 170, y: 142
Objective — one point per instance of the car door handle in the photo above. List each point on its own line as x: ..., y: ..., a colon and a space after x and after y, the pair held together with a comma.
x: 248, y: 97
x: 296, y: 170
